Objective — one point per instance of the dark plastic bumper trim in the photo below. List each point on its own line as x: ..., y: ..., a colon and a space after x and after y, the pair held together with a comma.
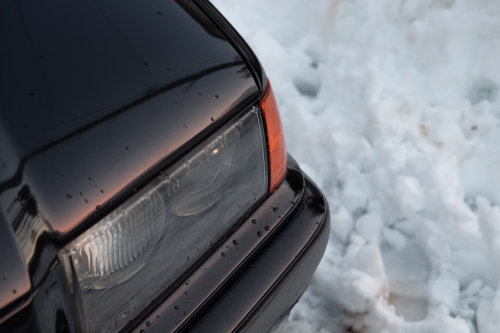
x: 279, y: 277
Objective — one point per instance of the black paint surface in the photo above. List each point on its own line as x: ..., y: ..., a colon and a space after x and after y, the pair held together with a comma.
x: 95, y: 98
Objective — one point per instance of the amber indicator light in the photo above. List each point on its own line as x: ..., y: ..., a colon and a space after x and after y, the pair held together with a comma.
x: 275, y: 139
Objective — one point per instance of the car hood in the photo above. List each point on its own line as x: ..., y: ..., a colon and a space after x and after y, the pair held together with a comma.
x: 95, y: 97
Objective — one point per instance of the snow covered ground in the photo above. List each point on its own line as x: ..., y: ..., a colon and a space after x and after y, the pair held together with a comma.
x: 392, y: 107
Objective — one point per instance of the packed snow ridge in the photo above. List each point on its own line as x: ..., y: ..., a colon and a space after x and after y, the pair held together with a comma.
x: 392, y: 107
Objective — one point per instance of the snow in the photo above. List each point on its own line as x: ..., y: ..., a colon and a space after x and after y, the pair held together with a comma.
x: 392, y: 107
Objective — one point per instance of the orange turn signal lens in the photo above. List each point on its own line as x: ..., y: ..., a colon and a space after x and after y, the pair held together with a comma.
x: 275, y: 139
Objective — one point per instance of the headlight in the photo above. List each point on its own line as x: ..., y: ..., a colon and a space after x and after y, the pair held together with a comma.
x: 196, y: 186
x: 121, y: 264
x: 117, y: 247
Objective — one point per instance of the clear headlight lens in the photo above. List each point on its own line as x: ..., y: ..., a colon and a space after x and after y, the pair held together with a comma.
x: 117, y: 247
x: 197, y: 187
x: 121, y: 264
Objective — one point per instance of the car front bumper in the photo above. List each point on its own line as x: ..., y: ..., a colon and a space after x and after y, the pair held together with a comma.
x: 253, y: 278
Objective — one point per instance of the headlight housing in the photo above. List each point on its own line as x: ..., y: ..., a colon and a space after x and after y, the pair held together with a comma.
x: 166, y: 226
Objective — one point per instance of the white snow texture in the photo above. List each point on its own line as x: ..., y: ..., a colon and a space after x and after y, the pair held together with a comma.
x: 392, y: 107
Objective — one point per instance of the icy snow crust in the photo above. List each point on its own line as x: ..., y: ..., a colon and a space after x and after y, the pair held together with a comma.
x: 392, y: 107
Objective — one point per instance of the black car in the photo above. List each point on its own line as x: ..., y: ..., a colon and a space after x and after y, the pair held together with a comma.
x: 144, y: 180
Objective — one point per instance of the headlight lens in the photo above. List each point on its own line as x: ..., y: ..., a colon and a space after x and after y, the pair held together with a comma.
x: 196, y: 186
x: 117, y: 267
x: 117, y: 247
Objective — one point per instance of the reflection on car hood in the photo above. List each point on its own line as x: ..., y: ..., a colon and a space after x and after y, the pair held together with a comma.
x: 95, y: 95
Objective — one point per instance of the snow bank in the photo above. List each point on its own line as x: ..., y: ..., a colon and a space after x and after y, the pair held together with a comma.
x: 392, y: 107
